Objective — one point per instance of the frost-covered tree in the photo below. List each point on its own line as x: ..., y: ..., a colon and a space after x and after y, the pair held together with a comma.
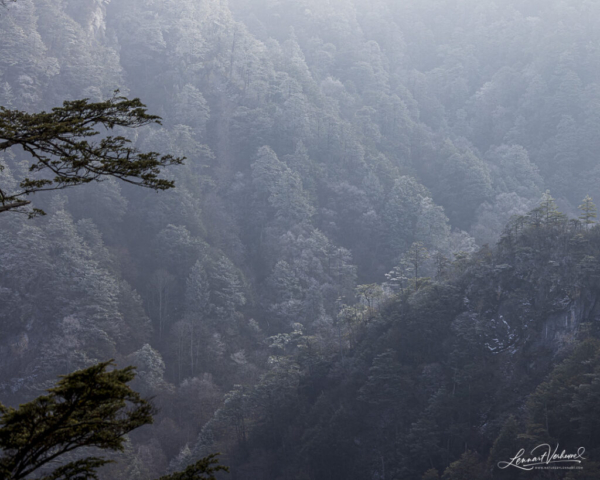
x: 588, y: 211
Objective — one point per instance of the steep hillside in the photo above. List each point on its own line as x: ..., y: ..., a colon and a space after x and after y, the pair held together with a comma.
x: 319, y: 296
x: 499, y: 352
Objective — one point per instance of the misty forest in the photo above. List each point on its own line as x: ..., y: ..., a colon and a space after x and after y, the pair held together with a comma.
x: 368, y: 249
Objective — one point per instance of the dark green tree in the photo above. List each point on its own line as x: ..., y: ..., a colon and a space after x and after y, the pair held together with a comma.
x: 93, y: 407
x: 64, y: 155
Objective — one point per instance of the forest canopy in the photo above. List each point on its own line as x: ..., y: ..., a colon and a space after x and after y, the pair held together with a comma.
x: 380, y: 259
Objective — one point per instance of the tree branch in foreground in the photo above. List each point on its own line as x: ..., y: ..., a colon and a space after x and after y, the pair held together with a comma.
x: 60, y: 143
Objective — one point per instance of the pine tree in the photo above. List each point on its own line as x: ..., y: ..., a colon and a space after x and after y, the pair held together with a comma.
x: 415, y: 259
x: 547, y: 212
x: 588, y: 211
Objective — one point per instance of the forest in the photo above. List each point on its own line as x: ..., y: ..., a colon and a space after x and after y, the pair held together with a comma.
x: 369, y: 249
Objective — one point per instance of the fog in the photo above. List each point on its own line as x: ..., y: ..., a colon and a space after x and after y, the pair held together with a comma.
x: 379, y: 260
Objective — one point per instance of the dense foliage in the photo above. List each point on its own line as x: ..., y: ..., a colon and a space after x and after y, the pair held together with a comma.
x: 499, y: 353
x: 321, y: 295
x: 90, y: 408
x: 58, y: 143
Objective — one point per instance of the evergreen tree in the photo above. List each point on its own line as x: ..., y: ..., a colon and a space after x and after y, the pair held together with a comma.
x: 58, y: 141
x: 546, y: 213
x: 414, y: 261
x: 588, y: 210
x: 88, y: 408
x: 226, y: 289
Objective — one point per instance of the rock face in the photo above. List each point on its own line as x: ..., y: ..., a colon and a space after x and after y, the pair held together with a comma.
x: 560, y: 328
x: 560, y: 331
